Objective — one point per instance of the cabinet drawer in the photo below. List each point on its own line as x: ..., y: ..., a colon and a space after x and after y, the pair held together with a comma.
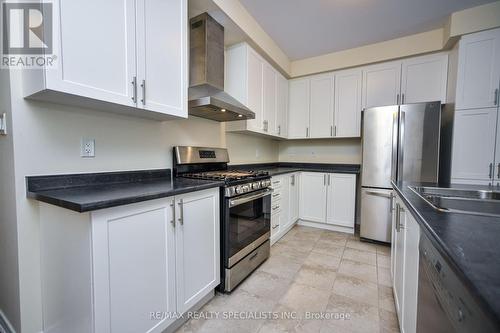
x: 276, y: 196
x: 276, y: 183
x: 275, y: 209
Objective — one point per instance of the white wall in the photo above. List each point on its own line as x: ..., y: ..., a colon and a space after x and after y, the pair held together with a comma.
x: 344, y: 151
x: 9, y: 273
x: 251, y: 149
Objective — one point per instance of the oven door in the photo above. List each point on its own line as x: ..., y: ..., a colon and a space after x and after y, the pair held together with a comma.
x: 247, y: 224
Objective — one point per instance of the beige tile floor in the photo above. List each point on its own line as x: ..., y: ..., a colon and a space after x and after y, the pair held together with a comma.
x: 313, y: 271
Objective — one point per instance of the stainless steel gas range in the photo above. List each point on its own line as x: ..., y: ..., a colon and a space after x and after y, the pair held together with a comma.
x: 245, y: 209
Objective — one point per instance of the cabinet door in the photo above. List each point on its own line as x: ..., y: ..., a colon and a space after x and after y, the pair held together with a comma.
x: 341, y: 199
x: 321, y: 112
x: 100, y: 68
x: 412, y: 232
x: 473, y: 146
x: 134, y: 266
x: 478, y: 70
x: 298, y: 108
x: 399, y: 264
x: 254, y: 89
x: 423, y: 79
x: 294, y: 198
x: 270, y: 99
x: 162, y: 56
x: 313, y: 196
x: 393, y: 235
x: 381, y: 84
x: 282, y: 107
x: 197, y: 246
x: 347, y: 104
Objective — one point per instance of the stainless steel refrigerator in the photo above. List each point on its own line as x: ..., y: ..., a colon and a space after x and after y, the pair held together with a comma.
x: 400, y: 142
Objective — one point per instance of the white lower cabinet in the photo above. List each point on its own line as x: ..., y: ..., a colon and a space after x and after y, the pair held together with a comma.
x: 284, y: 204
x: 405, y: 261
x: 197, y: 240
x: 329, y: 199
x: 129, y: 268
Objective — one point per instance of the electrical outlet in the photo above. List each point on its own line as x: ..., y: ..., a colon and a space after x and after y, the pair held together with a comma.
x: 87, y: 148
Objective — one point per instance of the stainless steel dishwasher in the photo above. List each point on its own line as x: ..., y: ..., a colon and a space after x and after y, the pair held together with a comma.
x: 444, y: 303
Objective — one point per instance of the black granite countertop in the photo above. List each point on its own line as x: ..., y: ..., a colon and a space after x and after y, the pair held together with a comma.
x: 88, y: 192
x: 470, y: 244
x: 281, y: 168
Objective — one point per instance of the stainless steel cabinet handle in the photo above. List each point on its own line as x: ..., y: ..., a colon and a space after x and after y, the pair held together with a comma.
x: 307, y: 132
x: 277, y: 225
x: 491, y: 171
x: 293, y: 177
x: 403, y: 99
x: 265, y: 125
x: 331, y: 130
x: 498, y: 174
x: 397, y: 99
x: 324, y: 179
x: 134, y: 89
x: 279, y: 129
x: 181, y: 212
x: 335, y: 130
x: 172, y: 221
x: 496, y: 97
x: 143, y: 86
x: 396, y: 226
x: 329, y: 179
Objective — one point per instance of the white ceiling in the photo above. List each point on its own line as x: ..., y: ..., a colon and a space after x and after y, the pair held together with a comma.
x: 307, y: 28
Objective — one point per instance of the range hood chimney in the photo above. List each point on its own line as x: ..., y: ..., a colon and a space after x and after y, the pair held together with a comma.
x: 207, y: 98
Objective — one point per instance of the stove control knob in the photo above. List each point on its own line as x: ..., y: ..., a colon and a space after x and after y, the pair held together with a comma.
x: 246, y: 188
x: 256, y: 185
x: 238, y: 189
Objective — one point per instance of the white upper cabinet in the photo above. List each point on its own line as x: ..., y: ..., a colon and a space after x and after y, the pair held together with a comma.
x: 341, y: 199
x: 161, y: 67
x: 258, y: 85
x: 137, y: 42
x: 381, y: 84
x: 321, y: 106
x: 255, y: 91
x: 298, y: 108
x: 478, y: 78
x: 281, y: 106
x: 424, y: 79
x: 347, y: 116
x: 474, y: 134
x: 269, y: 87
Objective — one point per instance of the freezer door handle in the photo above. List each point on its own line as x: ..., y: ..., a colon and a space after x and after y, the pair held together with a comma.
x: 380, y: 194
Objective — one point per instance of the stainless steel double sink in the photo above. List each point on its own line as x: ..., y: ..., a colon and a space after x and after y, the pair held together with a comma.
x: 465, y: 201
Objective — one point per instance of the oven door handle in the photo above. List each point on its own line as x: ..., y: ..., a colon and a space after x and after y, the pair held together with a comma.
x: 249, y: 197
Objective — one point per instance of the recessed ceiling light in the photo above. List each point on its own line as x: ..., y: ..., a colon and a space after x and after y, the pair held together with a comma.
x: 240, y: 115
x: 222, y: 110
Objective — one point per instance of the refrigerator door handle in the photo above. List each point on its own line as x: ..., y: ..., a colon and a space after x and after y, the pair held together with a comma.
x: 401, y: 144
x: 394, y: 154
x: 380, y: 194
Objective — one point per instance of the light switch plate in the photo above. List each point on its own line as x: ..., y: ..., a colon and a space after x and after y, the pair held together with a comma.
x: 3, y: 123
x: 87, y: 148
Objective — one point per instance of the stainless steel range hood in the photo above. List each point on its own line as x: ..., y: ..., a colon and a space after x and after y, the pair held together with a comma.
x: 207, y: 98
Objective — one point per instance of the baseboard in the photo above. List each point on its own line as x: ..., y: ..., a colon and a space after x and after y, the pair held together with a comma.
x: 5, y: 325
x: 325, y: 226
